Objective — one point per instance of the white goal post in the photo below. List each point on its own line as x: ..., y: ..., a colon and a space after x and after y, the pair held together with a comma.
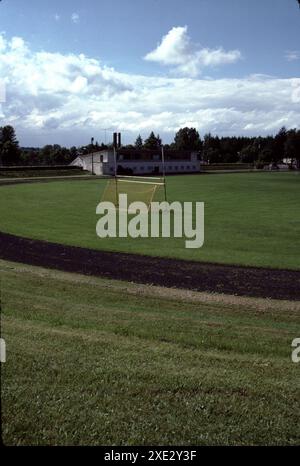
x: 138, y: 188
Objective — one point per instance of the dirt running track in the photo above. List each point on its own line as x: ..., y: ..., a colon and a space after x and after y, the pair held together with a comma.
x: 244, y: 281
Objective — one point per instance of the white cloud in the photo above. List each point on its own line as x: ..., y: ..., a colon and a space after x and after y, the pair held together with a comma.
x: 173, y: 47
x: 177, y: 50
x: 17, y: 43
x: 57, y: 17
x: 3, y: 43
x: 66, y: 98
x: 75, y: 18
x: 292, y: 55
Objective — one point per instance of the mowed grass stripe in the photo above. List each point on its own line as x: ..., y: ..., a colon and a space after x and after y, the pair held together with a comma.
x: 90, y: 365
x: 189, y: 324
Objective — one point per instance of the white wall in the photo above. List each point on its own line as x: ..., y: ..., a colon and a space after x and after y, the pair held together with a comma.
x: 150, y: 166
x: 102, y: 163
x: 91, y: 162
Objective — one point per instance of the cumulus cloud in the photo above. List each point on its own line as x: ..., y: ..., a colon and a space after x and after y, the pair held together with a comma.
x: 292, y: 55
x: 177, y: 50
x: 75, y: 18
x: 67, y: 98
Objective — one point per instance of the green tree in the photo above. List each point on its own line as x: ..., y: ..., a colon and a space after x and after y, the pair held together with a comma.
x: 73, y: 153
x: 187, y: 139
x: 139, y: 142
x: 292, y: 146
x: 152, y: 142
x: 9, y: 146
x: 211, y: 149
x: 249, y: 154
x: 279, y: 144
x: 228, y: 150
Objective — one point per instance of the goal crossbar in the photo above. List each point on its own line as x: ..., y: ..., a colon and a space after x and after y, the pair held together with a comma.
x: 140, y: 182
x: 136, y: 190
x: 140, y: 177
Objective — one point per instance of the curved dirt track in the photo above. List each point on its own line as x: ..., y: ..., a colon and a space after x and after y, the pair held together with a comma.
x: 244, y: 281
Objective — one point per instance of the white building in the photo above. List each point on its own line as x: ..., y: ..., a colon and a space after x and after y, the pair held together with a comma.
x: 139, y: 162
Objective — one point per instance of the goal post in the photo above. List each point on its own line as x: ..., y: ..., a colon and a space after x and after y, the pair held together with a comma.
x: 138, y: 188
x: 145, y: 189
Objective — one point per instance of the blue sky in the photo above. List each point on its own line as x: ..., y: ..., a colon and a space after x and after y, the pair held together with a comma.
x: 225, y: 66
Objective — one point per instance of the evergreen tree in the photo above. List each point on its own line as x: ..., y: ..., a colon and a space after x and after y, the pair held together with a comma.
x: 152, y: 142
x: 139, y: 142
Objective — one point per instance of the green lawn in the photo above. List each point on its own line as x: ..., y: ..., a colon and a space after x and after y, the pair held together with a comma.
x: 250, y: 218
x: 92, y: 361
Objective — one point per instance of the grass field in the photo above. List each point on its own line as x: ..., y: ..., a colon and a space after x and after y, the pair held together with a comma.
x: 250, y: 218
x: 92, y: 361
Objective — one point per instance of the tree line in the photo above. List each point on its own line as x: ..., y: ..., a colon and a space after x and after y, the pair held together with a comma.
x: 212, y: 149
